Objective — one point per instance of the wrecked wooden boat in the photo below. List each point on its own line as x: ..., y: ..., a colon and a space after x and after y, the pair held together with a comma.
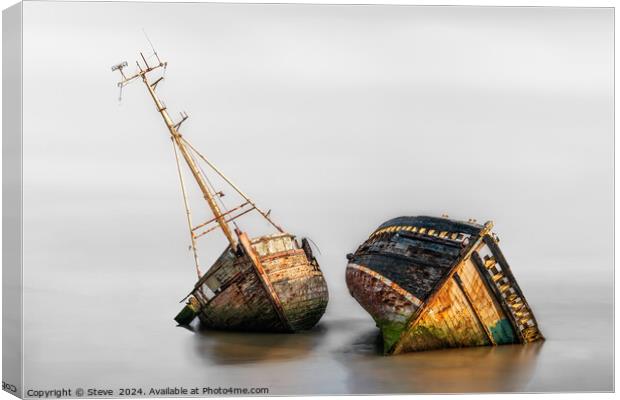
x: 433, y: 283
x: 270, y: 284
x: 266, y: 283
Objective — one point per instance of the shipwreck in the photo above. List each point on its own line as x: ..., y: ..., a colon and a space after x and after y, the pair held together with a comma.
x: 433, y: 283
x: 265, y: 283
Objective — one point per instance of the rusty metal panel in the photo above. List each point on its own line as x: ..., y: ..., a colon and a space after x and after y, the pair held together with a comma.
x: 390, y: 305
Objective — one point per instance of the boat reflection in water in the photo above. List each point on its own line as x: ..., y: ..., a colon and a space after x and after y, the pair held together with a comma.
x: 506, y: 368
x: 343, y: 355
x: 238, y: 348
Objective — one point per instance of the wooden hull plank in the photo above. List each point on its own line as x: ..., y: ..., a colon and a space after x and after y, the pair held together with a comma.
x: 264, y: 279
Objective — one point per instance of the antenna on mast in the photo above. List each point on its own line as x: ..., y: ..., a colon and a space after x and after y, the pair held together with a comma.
x: 120, y: 67
x: 153, y: 48
x: 149, y: 40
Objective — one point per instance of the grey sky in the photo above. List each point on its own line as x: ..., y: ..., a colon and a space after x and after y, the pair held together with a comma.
x: 336, y: 117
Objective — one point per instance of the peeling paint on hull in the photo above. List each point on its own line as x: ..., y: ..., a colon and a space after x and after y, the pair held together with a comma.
x: 433, y: 283
x: 276, y: 288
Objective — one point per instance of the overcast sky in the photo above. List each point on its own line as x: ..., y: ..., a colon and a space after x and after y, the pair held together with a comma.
x: 336, y: 117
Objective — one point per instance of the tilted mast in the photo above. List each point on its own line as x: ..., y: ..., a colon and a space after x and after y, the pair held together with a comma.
x: 178, y: 141
x: 191, y: 163
x: 186, y: 150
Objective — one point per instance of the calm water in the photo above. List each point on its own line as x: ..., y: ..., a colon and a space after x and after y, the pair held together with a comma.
x: 108, y: 336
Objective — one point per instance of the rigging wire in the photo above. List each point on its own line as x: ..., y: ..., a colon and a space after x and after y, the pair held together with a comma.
x: 212, y: 187
x: 154, y: 52
x: 217, y: 171
x: 149, y: 40
x: 187, y: 210
x: 315, y: 245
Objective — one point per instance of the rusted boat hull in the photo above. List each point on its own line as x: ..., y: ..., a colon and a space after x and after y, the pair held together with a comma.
x: 389, y: 304
x: 271, y: 284
x: 433, y: 283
